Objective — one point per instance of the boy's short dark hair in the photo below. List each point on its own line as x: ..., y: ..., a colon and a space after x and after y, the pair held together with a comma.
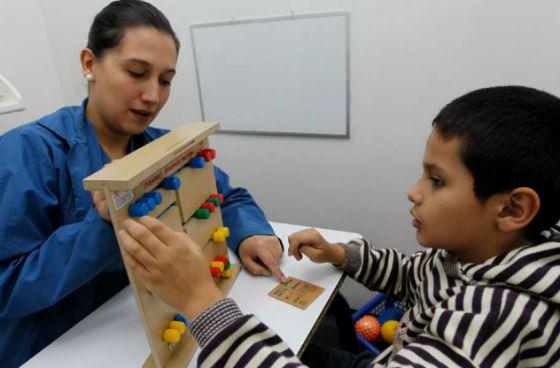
x: 510, y: 137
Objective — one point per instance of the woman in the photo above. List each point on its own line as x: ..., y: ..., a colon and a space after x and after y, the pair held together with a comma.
x: 59, y: 258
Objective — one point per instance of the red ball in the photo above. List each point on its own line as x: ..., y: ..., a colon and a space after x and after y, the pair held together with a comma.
x: 368, y: 327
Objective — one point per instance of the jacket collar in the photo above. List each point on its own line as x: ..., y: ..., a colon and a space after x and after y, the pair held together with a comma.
x: 68, y: 123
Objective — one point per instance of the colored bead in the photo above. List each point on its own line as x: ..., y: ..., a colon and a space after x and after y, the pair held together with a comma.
x: 149, y: 201
x: 155, y: 195
x: 197, y: 163
x: 219, y: 236
x: 218, y: 264
x: 178, y: 325
x: 207, y: 154
x: 215, y: 271
x: 218, y: 195
x: 209, y: 205
x: 202, y: 213
x: 179, y: 317
x: 171, y: 183
x: 224, y: 229
x: 226, y: 274
x: 214, y: 200
x: 171, y: 336
x: 221, y: 259
x: 138, y: 209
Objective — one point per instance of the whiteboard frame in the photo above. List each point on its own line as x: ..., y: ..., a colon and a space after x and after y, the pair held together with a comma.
x: 292, y: 16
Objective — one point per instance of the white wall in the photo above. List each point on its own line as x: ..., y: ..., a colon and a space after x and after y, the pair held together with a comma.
x: 27, y: 61
x: 408, y: 58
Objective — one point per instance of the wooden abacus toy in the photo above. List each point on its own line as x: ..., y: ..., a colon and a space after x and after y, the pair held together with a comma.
x: 172, y: 179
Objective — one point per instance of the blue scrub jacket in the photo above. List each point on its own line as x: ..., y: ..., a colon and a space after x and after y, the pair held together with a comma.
x: 58, y: 259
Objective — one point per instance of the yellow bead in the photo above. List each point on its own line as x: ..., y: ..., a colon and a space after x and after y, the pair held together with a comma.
x: 389, y: 330
x: 178, y: 325
x: 225, y: 230
x: 219, y: 265
x: 227, y: 273
x: 219, y: 236
x: 171, y: 336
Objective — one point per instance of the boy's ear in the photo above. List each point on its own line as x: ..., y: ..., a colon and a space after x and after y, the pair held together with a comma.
x: 517, y: 209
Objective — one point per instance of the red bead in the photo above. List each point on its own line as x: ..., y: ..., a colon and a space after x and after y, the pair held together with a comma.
x: 215, y: 271
x: 220, y: 196
x: 209, y: 205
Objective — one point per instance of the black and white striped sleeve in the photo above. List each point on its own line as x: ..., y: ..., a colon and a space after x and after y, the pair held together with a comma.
x: 230, y: 339
x: 386, y: 270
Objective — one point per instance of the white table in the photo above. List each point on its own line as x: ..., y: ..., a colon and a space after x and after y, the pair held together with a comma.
x: 113, y: 335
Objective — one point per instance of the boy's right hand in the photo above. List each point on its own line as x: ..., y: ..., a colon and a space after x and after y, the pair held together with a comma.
x: 311, y: 243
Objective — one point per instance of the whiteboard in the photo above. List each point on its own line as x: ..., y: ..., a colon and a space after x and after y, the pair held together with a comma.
x: 283, y: 75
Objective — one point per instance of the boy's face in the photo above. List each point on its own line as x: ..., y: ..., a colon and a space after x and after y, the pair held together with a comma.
x: 446, y: 212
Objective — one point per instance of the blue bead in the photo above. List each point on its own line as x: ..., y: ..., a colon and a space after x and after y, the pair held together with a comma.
x: 179, y: 317
x: 149, y: 201
x: 197, y: 162
x: 155, y: 195
x: 138, y: 209
x: 171, y: 183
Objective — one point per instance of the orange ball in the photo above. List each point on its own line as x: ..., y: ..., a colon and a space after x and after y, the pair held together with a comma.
x: 368, y: 327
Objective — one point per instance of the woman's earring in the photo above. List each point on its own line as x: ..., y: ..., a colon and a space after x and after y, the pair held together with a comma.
x: 89, y: 78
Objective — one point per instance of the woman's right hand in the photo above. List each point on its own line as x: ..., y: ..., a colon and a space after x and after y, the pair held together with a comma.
x: 100, y: 203
x: 312, y: 244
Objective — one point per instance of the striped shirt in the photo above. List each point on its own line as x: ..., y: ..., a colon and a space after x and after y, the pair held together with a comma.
x: 504, y: 312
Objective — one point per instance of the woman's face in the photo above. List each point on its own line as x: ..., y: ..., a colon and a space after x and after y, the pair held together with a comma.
x: 132, y: 81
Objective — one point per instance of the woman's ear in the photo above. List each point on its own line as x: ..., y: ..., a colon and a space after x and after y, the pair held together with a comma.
x: 87, y: 60
x: 518, y: 208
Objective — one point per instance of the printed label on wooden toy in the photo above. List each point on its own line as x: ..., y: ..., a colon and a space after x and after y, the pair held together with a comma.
x: 175, y: 164
x: 296, y: 292
x: 120, y: 199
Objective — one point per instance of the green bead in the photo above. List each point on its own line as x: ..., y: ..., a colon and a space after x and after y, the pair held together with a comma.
x: 202, y: 213
x: 214, y: 200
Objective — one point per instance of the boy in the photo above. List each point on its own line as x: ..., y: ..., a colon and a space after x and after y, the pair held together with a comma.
x: 485, y: 293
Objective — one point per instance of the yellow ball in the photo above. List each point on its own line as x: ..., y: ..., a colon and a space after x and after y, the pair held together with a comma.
x: 389, y: 331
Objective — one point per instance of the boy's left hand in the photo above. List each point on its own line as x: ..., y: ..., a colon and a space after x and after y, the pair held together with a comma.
x: 170, y: 264
x: 312, y: 244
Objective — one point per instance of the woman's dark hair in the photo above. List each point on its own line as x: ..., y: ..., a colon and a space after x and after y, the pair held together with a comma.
x: 113, y: 20
x: 509, y: 138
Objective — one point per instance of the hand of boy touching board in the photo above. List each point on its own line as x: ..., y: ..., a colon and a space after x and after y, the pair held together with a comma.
x: 312, y: 244
x: 170, y: 264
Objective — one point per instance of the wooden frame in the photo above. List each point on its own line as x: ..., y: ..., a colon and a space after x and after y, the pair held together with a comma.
x: 126, y: 180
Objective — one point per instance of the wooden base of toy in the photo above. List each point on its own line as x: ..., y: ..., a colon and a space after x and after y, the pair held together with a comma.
x: 185, y: 349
